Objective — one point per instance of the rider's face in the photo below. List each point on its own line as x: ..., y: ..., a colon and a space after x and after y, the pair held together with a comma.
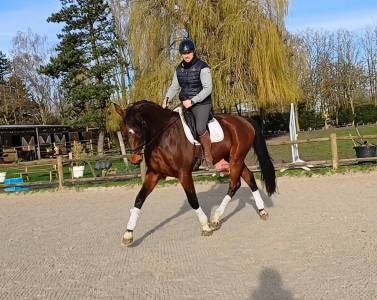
x: 187, y: 57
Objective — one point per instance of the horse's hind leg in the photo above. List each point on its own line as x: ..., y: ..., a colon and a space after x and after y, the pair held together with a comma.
x: 234, y: 185
x: 248, y: 176
x: 188, y: 185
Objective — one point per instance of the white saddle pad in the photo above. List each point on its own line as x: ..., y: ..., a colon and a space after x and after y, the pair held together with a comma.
x: 215, y: 130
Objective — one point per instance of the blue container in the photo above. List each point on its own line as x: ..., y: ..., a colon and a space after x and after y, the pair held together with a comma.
x: 9, y: 181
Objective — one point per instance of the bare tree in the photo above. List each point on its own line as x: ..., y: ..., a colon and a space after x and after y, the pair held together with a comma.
x: 348, y: 70
x: 30, y: 51
x: 318, y: 80
x: 333, y: 76
x: 15, y: 105
x: 369, y: 43
x: 120, y: 10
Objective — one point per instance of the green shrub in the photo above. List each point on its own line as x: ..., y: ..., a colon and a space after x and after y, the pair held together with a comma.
x: 310, y: 119
x: 277, y: 122
x: 345, y: 116
x: 366, y: 114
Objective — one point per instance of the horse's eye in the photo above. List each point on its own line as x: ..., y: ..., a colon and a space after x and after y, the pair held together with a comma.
x: 131, y: 131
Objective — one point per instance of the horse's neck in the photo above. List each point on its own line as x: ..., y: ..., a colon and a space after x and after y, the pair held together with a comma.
x: 159, y: 121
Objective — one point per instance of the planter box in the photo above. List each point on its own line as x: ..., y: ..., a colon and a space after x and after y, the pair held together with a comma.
x: 364, y: 151
x: 78, y: 171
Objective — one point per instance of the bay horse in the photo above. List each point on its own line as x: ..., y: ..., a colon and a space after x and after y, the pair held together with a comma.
x: 167, y: 151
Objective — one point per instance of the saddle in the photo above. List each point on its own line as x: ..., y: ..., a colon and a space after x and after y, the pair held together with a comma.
x: 188, y: 123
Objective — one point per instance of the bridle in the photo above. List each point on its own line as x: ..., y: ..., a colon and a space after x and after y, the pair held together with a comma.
x: 142, y: 146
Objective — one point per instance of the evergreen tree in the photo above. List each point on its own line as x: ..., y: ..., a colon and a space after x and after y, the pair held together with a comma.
x: 85, y: 58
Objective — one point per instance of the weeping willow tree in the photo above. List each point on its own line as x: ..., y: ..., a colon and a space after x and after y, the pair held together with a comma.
x: 244, y: 42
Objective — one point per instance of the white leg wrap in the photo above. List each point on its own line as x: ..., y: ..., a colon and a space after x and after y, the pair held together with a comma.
x: 202, y: 218
x: 135, y: 213
x: 258, y: 199
x: 220, y: 210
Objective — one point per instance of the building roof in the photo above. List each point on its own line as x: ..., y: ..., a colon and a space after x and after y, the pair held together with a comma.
x: 18, y: 129
x: 32, y: 126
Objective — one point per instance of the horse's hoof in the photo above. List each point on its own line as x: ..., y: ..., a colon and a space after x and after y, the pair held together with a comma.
x: 128, y: 238
x: 207, y: 232
x: 215, y: 225
x: 127, y: 241
x: 263, y: 215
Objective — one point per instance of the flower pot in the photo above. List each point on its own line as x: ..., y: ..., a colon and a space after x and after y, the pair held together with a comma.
x: 364, y: 151
x: 2, y: 176
x: 78, y: 171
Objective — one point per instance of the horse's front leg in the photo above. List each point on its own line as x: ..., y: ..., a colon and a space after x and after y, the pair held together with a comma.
x: 188, y: 186
x: 151, y: 179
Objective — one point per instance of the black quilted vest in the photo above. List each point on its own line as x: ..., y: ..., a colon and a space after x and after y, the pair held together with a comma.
x: 189, y: 80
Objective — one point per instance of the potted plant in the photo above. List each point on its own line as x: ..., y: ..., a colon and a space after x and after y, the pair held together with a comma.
x: 362, y: 148
x: 3, y: 175
x: 78, y: 155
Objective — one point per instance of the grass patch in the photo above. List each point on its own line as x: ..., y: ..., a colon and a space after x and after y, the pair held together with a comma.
x: 42, y: 173
x: 318, y: 150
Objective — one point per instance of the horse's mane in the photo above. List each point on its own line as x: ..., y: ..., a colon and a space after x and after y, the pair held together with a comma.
x: 143, y: 107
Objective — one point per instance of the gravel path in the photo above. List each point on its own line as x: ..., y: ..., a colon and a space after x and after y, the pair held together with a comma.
x: 320, y: 243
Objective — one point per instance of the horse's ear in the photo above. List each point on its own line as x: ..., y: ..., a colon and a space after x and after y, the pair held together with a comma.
x: 119, y: 109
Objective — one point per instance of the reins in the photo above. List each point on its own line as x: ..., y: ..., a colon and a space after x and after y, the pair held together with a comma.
x: 158, y: 133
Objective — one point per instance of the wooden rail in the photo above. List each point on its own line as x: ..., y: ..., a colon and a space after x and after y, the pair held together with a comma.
x: 61, y: 160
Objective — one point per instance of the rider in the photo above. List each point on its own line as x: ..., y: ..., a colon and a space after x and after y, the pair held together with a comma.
x: 193, y: 79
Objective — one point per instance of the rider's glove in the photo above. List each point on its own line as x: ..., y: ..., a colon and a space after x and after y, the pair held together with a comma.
x: 165, y: 103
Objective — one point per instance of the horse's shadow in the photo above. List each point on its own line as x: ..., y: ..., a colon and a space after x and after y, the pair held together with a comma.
x: 209, y: 201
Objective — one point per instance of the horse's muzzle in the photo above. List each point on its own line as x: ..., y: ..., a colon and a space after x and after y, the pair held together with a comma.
x: 135, y: 158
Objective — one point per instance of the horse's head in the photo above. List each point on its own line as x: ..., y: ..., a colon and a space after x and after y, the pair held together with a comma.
x: 134, y: 127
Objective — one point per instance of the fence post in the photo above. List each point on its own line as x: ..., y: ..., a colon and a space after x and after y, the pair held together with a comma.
x: 91, y: 147
x: 334, y: 151
x: 143, y: 168
x: 60, y: 172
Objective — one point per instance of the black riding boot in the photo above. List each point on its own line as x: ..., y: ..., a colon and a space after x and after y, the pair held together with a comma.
x: 205, y: 141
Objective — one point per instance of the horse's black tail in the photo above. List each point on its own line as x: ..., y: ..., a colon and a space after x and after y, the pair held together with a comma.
x: 267, y: 168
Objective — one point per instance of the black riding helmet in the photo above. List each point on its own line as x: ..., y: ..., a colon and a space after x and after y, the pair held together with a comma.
x: 186, y: 46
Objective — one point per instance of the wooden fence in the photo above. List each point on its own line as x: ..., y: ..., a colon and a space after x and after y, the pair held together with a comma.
x: 60, y: 161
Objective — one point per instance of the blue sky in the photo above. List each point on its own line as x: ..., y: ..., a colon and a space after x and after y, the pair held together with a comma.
x: 331, y: 14
x: 19, y: 15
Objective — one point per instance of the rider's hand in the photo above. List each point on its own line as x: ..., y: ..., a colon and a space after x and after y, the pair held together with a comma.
x: 165, y: 104
x: 187, y: 103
